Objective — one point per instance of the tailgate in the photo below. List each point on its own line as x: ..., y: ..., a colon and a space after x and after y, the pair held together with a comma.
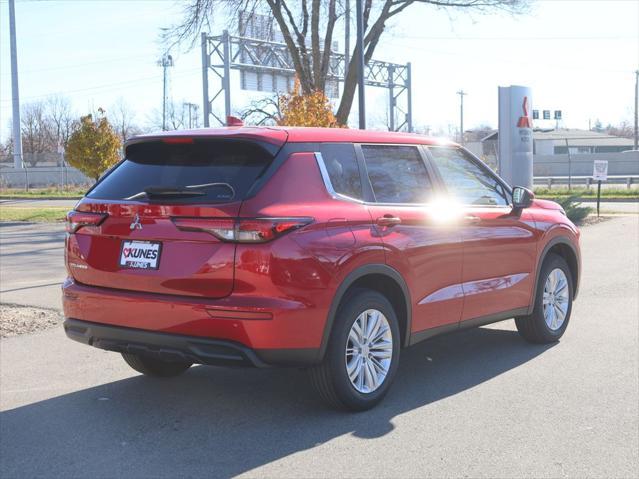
x: 136, y: 245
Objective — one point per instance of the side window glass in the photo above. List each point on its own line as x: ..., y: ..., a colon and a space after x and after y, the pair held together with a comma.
x: 341, y: 164
x: 466, y: 180
x: 397, y: 174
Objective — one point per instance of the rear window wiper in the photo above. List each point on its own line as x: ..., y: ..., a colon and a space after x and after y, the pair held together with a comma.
x: 188, y: 191
x: 210, y: 185
x: 165, y: 192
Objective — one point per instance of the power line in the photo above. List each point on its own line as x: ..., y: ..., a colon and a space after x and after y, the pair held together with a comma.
x: 529, y: 38
x: 90, y: 1
x: 108, y: 86
x: 73, y: 66
x: 500, y: 60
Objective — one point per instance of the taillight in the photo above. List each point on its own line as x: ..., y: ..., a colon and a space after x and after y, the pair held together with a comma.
x: 242, y: 230
x: 78, y: 219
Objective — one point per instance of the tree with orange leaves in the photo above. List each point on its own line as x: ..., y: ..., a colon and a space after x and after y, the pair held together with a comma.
x: 313, y: 109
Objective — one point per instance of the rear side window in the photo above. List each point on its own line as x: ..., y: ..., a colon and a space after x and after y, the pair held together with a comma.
x: 397, y: 174
x: 341, y: 165
x: 204, y: 171
x: 466, y: 180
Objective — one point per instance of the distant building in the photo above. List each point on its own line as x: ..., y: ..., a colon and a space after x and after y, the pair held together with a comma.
x: 560, y: 142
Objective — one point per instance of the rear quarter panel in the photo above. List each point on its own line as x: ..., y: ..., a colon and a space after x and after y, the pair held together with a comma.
x: 307, y: 265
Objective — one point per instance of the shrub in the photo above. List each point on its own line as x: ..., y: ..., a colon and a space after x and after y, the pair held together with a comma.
x: 574, y: 211
x: 313, y: 109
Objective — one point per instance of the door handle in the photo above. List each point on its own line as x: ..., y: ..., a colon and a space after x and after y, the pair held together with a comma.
x: 388, y: 220
x: 472, y: 219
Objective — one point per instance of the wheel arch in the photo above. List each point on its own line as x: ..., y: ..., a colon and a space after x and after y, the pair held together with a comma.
x: 564, y: 247
x: 377, y: 277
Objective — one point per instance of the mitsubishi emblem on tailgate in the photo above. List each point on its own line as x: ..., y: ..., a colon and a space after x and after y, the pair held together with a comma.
x: 136, y: 223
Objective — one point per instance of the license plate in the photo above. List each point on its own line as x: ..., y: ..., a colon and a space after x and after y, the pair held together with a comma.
x: 140, y: 254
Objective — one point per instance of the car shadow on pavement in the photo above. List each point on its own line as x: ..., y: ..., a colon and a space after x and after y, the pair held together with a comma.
x: 221, y: 422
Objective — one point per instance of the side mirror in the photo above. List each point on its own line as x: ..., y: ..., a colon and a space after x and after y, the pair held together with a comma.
x: 522, y: 197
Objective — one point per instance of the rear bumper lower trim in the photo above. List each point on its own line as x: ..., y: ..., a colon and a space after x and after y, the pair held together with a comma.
x: 174, y: 347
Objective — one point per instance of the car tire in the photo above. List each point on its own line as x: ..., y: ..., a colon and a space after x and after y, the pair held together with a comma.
x: 545, y: 325
x: 155, y: 367
x: 331, y: 378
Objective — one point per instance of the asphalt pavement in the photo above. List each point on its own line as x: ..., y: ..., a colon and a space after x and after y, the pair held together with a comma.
x: 32, y: 264
x: 482, y: 403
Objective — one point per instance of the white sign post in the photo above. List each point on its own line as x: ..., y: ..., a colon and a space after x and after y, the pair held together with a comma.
x: 599, y: 174
x: 600, y: 170
x: 515, y: 135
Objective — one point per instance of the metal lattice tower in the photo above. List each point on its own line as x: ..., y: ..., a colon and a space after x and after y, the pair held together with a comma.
x: 272, y: 63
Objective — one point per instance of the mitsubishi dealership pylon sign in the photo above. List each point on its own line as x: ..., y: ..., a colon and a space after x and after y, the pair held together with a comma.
x: 515, y: 135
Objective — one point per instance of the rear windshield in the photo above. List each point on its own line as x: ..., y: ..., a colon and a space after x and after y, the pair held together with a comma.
x: 204, y: 171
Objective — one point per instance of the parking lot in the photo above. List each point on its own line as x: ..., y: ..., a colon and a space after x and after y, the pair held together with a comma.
x: 476, y: 404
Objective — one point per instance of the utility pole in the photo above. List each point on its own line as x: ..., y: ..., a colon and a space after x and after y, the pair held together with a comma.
x: 347, y: 35
x: 192, y: 108
x: 461, y: 94
x: 636, y: 110
x: 165, y: 62
x: 15, y: 94
x: 360, y: 61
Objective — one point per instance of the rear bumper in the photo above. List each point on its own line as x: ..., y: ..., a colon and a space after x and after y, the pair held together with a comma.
x: 175, y: 347
x: 253, y: 330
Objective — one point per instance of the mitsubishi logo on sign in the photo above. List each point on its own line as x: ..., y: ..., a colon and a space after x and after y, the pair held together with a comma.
x: 135, y: 224
x: 524, y: 121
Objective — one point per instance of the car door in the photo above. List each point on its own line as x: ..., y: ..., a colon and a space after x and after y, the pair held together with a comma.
x: 426, y: 251
x: 499, y: 244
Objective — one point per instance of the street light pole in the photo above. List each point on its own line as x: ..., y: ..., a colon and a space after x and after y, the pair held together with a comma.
x: 15, y: 94
x: 636, y: 108
x: 461, y: 94
x: 360, y: 61
x: 165, y: 62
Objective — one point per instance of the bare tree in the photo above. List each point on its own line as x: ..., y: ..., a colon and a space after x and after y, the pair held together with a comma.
x: 59, y: 119
x: 35, y: 133
x: 308, y: 27
x: 46, y: 125
x: 122, y: 118
x: 6, y: 150
x: 176, y: 117
x: 624, y: 129
x: 265, y: 111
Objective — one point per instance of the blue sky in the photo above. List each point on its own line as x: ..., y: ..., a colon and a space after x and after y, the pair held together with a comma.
x: 577, y: 55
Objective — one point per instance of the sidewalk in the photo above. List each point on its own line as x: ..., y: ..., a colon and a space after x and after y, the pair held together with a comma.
x: 35, y: 203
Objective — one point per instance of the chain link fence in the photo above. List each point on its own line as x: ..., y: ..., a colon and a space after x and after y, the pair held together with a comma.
x: 60, y: 177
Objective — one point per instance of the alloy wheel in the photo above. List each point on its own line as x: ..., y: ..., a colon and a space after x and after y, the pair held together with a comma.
x: 369, y: 351
x: 556, y: 299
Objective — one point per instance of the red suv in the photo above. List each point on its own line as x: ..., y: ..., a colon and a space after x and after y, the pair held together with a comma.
x: 329, y: 249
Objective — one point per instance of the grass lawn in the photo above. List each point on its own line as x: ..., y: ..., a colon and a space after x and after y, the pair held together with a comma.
x: 40, y: 215
x: 606, y: 193
x: 36, y: 193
